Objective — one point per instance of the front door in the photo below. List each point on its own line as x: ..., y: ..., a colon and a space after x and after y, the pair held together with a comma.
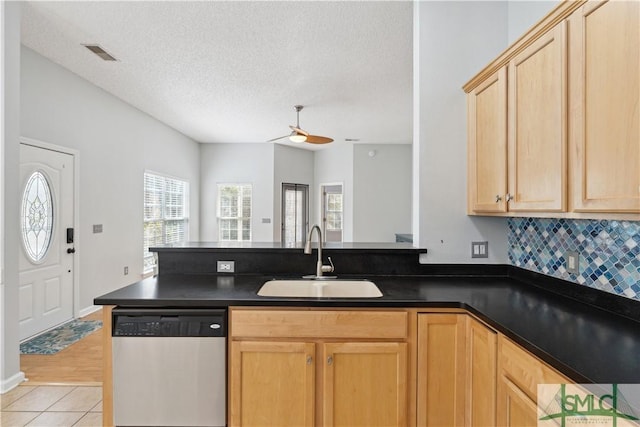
x: 46, y: 227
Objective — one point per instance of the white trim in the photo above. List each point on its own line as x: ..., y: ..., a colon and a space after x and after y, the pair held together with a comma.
x: 76, y: 210
x: 88, y: 310
x: 166, y: 175
x: 13, y: 382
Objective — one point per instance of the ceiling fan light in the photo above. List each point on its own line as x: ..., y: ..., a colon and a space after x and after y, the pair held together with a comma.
x: 297, y: 137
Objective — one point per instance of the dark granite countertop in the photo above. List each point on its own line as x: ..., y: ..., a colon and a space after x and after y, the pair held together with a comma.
x: 586, y: 343
x: 271, y: 247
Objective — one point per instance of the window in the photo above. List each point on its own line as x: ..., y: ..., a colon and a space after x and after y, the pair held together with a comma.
x: 234, y: 212
x: 166, y: 216
x: 332, y: 210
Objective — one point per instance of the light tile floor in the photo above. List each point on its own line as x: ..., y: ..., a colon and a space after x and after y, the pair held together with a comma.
x: 51, y: 406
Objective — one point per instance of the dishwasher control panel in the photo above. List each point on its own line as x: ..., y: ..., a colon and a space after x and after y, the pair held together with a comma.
x: 168, y: 323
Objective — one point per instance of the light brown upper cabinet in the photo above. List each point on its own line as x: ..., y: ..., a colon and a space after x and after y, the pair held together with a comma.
x: 537, y: 138
x: 487, y: 142
x: 569, y: 126
x: 517, y: 132
x: 605, y: 112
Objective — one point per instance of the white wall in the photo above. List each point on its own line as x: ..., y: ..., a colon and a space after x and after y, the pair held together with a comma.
x: 334, y: 165
x: 242, y: 164
x: 522, y: 15
x: 10, y: 374
x: 455, y: 40
x: 117, y: 143
x: 294, y: 166
x: 381, y: 191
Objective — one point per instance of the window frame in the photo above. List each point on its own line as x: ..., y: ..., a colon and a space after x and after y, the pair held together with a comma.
x: 240, y: 219
x: 151, y: 267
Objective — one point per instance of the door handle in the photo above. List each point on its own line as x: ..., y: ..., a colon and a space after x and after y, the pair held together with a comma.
x: 71, y: 250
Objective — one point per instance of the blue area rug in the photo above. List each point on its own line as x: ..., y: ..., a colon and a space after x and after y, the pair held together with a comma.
x: 60, y: 338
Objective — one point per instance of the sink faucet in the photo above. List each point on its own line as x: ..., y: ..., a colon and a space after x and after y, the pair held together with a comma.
x: 320, y: 268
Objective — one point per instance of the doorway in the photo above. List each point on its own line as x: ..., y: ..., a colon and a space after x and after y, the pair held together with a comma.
x: 47, y: 251
x: 295, y: 214
x: 332, y: 212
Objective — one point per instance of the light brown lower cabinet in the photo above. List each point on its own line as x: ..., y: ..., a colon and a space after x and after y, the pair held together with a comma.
x: 275, y: 383
x: 441, y: 369
x: 481, y: 374
x: 456, y: 371
x: 519, y: 373
x: 365, y: 384
x: 305, y: 367
x: 347, y: 376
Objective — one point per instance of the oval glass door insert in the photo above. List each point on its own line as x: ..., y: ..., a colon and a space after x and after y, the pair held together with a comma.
x: 37, y: 216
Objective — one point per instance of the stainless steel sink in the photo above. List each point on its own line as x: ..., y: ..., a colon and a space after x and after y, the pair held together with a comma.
x: 320, y: 289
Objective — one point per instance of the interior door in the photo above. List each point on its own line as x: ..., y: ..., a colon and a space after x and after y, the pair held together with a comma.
x: 46, y: 257
x: 332, y: 212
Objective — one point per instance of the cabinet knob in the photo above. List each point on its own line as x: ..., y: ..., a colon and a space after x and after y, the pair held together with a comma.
x: 330, y: 360
x: 498, y: 198
x: 309, y: 360
x: 508, y: 197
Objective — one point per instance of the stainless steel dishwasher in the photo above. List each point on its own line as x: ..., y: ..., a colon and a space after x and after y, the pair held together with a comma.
x: 169, y: 367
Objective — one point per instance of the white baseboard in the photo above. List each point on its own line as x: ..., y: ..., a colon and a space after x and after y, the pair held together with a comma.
x: 88, y: 310
x: 11, y: 383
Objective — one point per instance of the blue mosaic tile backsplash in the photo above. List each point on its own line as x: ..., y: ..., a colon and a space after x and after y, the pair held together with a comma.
x: 609, y: 251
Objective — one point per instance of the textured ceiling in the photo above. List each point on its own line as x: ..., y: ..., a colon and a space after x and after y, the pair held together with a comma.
x: 232, y: 71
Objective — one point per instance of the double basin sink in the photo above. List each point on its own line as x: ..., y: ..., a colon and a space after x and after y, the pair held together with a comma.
x: 328, y: 288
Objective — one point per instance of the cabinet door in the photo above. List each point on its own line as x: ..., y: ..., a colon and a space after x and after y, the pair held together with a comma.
x: 441, y: 369
x: 604, y: 44
x: 487, y: 144
x: 515, y: 408
x: 272, y: 384
x: 365, y: 384
x: 481, y: 375
x: 537, y: 125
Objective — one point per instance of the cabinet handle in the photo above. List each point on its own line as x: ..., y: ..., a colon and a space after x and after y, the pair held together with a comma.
x: 309, y: 360
x: 498, y: 198
x: 508, y: 197
x: 330, y: 360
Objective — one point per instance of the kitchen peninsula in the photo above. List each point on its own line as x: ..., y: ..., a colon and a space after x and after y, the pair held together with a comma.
x: 551, y: 330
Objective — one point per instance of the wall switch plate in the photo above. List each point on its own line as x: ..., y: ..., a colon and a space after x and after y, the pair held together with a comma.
x: 480, y: 249
x: 572, y: 262
x: 126, y: 271
x: 226, y: 266
x: 97, y: 228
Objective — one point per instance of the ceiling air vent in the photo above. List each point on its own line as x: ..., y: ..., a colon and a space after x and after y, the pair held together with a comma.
x: 100, y: 52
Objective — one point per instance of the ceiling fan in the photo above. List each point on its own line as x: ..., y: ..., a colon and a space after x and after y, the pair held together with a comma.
x: 299, y: 135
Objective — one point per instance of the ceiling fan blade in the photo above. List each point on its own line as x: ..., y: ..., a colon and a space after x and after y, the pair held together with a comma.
x: 315, y: 139
x: 298, y: 130
x: 280, y: 137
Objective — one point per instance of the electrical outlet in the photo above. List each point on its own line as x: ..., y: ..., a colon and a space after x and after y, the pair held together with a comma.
x: 480, y: 249
x: 126, y: 271
x: 226, y: 266
x: 572, y: 262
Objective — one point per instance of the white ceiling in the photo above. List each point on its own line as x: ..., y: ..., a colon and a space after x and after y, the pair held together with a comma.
x: 232, y: 71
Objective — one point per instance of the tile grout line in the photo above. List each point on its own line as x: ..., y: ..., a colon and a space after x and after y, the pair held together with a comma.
x: 47, y: 410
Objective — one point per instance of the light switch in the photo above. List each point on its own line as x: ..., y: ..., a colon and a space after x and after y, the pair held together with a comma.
x: 480, y: 249
x: 572, y: 262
